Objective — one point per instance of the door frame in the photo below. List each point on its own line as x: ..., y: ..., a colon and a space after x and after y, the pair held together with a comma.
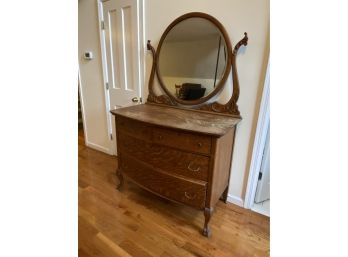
x: 263, y: 124
x: 141, y: 38
x: 82, y: 104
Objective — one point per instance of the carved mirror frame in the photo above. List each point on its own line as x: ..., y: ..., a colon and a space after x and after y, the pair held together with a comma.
x: 231, y: 107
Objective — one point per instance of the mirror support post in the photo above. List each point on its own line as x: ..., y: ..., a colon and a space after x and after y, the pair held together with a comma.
x: 231, y: 106
x: 235, y: 95
x: 152, y: 98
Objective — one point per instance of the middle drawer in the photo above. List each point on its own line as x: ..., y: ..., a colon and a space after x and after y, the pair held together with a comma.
x: 168, y: 159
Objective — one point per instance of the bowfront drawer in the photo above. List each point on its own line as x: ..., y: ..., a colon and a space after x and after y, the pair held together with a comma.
x: 132, y: 127
x: 182, y: 140
x: 173, y: 188
x: 167, y: 159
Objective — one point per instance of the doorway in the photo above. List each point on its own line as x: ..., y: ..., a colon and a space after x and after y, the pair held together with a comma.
x: 80, y: 115
x: 122, y: 45
x: 257, y: 197
x: 262, y: 200
x: 80, y: 121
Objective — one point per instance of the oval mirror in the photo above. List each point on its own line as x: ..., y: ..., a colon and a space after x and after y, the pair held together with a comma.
x: 193, y: 58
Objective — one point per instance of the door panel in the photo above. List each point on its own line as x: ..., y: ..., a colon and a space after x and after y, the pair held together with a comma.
x: 122, y: 44
x: 127, y: 48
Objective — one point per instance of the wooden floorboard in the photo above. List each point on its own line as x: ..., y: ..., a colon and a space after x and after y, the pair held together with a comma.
x: 134, y: 222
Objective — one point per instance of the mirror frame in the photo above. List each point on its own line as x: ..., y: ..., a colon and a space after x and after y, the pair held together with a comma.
x: 227, y: 71
x: 230, y: 108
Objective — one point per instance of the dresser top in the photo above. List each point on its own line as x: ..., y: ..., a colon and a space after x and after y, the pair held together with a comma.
x: 189, y: 120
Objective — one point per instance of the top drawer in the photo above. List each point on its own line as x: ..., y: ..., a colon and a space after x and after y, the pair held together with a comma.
x: 182, y: 140
x: 134, y: 128
x: 186, y: 141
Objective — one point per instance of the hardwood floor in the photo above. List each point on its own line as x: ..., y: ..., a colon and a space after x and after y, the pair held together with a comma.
x: 134, y: 222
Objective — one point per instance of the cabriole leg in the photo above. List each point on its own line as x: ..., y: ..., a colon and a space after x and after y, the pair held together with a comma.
x: 207, y: 214
x: 120, y: 178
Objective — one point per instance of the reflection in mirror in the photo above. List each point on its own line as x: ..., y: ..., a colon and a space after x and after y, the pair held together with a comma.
x: 192, y: 59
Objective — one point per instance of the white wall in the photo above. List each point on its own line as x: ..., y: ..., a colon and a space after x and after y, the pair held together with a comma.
x: 91, y: 74
x: 237, y: 16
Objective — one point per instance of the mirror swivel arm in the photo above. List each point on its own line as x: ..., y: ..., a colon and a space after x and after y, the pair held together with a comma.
x: 152, y: 74
x: 232, y: 103
x: 152, y: 98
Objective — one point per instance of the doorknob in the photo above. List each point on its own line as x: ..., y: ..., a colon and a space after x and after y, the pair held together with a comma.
x: 136, y: 100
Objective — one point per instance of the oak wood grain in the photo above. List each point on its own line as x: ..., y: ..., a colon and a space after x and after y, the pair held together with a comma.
x: 172, y: 160
x: 134, y: 128
x: 205, y: 123
x: 222, y: 166
x: 182, y: 140
x: 140, y: 163
x: 171, y: 187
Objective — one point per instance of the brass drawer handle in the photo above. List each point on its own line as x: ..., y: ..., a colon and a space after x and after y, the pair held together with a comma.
x: 191, y: 169
x: 199, y: 144
x: 190, y: 197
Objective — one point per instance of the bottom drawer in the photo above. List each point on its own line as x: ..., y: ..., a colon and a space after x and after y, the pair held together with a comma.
x: 170, y: 187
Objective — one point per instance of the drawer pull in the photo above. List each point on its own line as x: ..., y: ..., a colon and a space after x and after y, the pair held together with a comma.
x: 160, y: 137
x: 191, y: 169
x: 190, y: 197
x: 199, y: 144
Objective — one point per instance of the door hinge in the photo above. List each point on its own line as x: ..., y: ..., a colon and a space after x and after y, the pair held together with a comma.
x: 111, y: 136
x: 107, y: 86
x: 260, y: 175
x: 102, y: 25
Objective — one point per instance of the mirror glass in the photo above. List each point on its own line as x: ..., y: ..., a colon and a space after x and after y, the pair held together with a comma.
x: 192, y: 59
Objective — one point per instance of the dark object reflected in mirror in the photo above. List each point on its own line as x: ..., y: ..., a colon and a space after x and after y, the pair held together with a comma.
x: 190, y: 91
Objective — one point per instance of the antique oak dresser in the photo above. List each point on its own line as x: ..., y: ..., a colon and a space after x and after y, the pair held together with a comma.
x: 176, y: 148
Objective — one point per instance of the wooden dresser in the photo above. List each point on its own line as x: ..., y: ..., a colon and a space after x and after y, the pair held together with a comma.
x: 181, y: 155
x: 179, y: 145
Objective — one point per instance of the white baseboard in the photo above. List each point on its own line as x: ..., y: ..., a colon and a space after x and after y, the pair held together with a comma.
x: 99, y: 148
x: 235, y: 200
x: 262, y: 208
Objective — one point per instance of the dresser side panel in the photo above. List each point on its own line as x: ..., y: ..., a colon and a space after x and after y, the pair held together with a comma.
x: 222, y: 166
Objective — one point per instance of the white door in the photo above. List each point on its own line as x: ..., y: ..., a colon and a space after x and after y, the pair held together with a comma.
x: 122, y: 45
x: 263, y: 185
